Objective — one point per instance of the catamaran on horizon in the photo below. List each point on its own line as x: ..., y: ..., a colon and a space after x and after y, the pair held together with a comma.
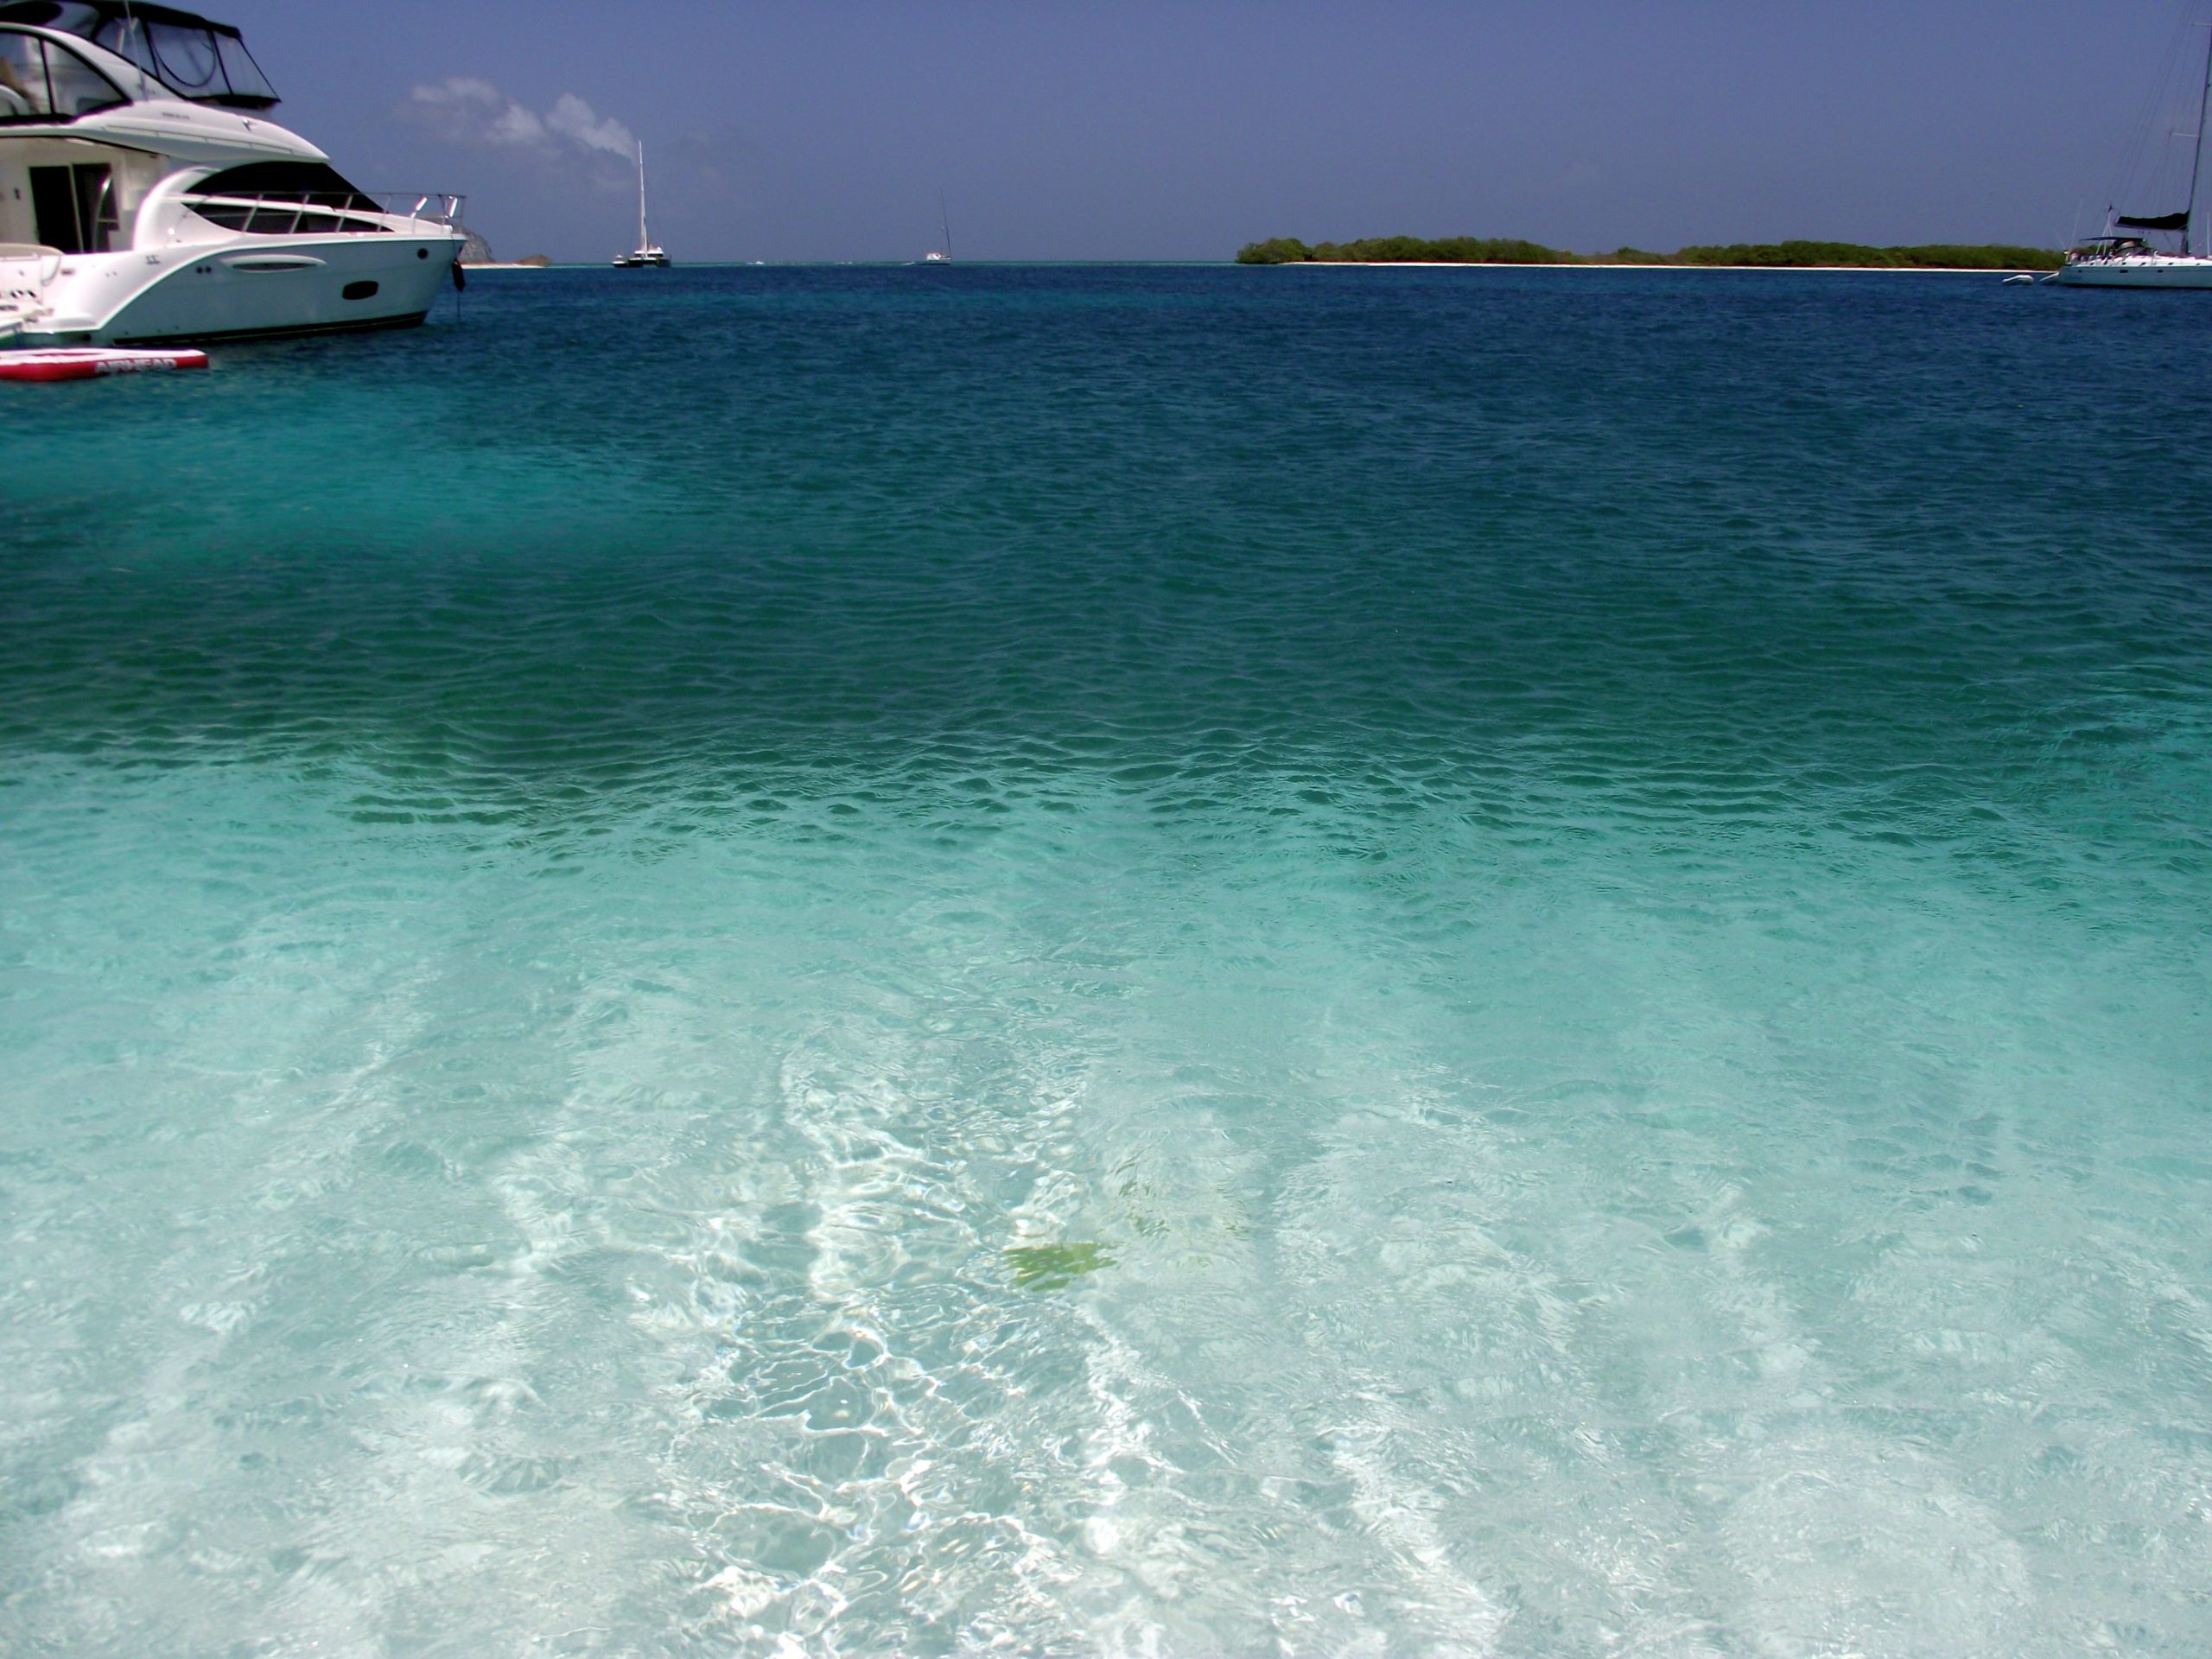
x: 647, y: 255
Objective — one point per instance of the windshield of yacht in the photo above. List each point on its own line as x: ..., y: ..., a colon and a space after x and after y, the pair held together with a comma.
x: 195, y: 59
x: 43, y: 82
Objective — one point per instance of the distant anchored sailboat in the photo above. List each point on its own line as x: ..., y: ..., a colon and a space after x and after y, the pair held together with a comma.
x: 647, y: 255
x: 2125, y: 257
x: 941, y: 256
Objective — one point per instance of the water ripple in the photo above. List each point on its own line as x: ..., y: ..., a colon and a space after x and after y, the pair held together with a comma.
x: 1168, y: 962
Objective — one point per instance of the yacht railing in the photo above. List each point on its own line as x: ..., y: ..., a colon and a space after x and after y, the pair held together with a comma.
x: 295, y: 212
x: 440, y: 210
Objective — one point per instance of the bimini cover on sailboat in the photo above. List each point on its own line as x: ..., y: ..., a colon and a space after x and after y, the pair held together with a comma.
x: 2162, y: 222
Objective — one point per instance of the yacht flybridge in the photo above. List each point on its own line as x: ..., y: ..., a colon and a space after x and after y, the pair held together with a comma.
x: 144, y: 194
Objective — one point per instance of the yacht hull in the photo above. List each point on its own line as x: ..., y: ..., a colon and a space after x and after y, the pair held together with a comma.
x: 2152, y: 272
x: 270, y: 286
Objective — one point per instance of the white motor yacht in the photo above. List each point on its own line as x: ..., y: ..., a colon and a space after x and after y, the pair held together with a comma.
x: 145, y: 195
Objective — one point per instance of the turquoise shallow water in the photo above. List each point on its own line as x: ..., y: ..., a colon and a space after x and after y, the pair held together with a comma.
x: 1170, y: 961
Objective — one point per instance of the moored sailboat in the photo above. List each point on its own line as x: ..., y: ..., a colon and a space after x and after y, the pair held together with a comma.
x: 648, y: 255
x: 2125, y: 256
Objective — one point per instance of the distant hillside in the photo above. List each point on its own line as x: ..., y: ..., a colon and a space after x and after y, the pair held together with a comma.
x: 1503, y: 250
x: 475, y: 251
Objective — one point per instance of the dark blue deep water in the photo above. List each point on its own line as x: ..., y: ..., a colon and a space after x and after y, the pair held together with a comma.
x: 1131, y: 961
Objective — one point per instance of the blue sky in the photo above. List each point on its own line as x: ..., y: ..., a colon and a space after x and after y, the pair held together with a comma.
x: 826, y: 130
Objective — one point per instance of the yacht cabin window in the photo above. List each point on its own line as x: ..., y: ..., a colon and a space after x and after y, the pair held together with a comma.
x: 185, y: 58
x: 285, y: 198
x: 40, y: 81
x: 244, y: 74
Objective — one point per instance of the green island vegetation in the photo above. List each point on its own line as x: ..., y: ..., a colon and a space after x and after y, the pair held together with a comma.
x: 1508, y: 250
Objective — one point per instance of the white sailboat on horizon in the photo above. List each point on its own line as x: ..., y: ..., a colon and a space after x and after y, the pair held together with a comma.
x: 647, y: 255
x: 941, y: 256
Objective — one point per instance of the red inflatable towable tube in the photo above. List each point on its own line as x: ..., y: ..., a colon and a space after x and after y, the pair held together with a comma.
x: 83, y: 362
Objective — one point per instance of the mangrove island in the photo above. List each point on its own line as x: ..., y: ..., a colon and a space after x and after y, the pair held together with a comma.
x: 1509, y: 250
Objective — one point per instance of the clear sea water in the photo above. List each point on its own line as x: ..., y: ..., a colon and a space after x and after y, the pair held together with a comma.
x: 1178, y: 961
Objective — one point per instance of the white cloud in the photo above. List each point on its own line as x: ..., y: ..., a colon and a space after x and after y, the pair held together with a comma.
x: 572, y: 119
x: 464, y: 110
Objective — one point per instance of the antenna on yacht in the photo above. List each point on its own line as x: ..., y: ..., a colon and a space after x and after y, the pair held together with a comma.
x: 143, y: 50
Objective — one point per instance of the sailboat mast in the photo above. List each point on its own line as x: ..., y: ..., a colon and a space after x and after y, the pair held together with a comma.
x: 2197, y: 162
x: 944, y: 226
x: 644, y: 241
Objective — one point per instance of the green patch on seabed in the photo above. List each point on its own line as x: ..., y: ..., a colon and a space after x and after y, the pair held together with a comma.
x: 1048, y: 1267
